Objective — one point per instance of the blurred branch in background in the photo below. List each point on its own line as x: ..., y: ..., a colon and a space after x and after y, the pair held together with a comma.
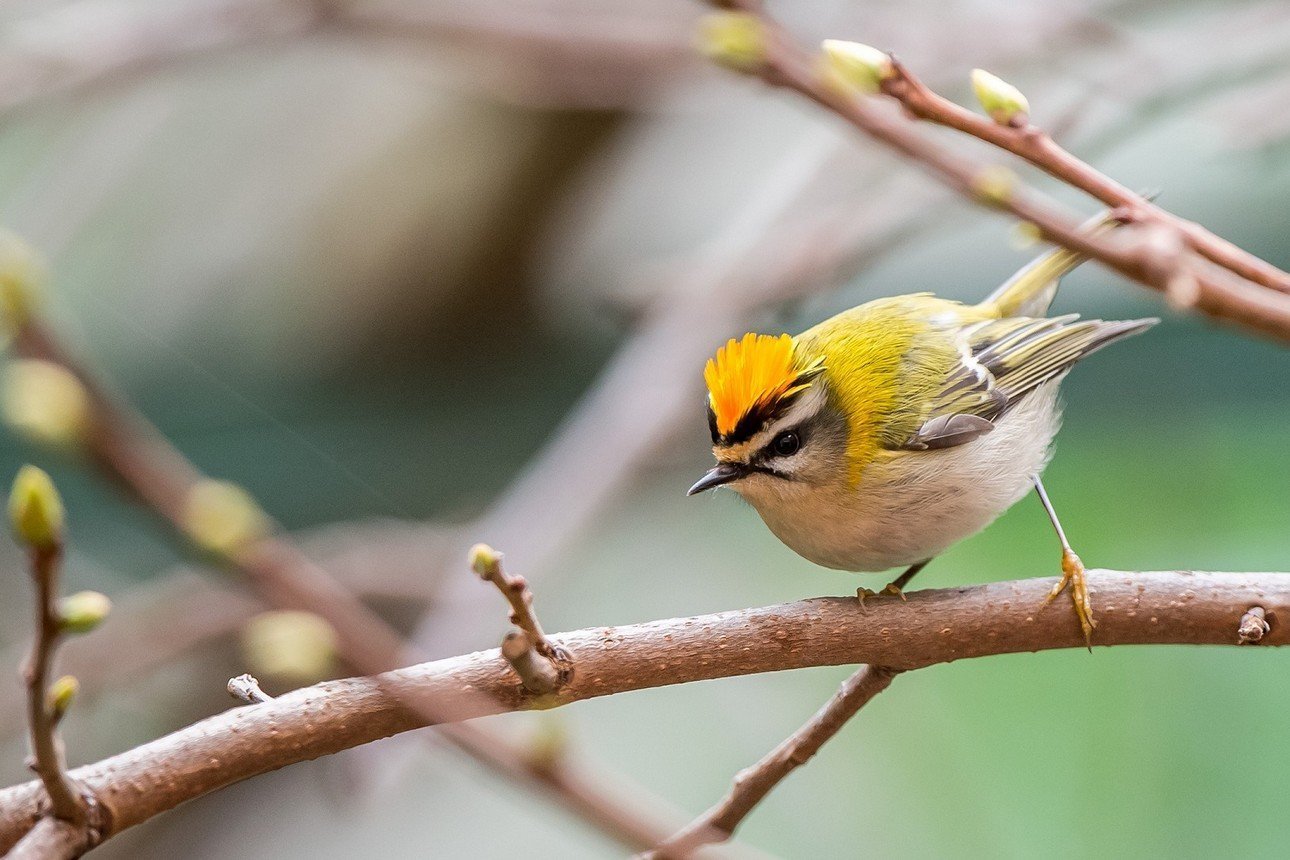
x: 553, y: 59
x: 932, y: 626
x: 84, y: 44
x: 555, y: 56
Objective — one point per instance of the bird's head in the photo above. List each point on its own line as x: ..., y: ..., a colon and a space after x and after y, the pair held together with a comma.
x: 771, y: 422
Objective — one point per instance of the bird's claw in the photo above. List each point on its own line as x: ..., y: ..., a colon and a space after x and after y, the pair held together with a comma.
x: 863, y: 594
x: 893, y: 588
x: 1073, y: 575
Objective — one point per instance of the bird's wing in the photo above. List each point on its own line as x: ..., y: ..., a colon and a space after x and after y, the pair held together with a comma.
x: 1002, y: 360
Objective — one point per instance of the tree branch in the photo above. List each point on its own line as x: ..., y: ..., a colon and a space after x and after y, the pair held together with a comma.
x: 541, y: 666
x: 752, y: 784
x: 1032, y: 143
x: 934, y: 626
x: 1162, y: 265
x: 487, y: 562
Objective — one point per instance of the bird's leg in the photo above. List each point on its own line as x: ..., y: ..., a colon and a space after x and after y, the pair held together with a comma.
x: 896, y: 586
x: 1072, y: 572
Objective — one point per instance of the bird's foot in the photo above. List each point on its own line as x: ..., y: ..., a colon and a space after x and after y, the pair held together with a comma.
x: 863, y: 594
x: 893, y: 588
x: 1073, y: 575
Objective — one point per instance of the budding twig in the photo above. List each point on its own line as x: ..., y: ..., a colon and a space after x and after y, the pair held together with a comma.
x: 1026, y: 140
x: 487, y: 562
x: 542, y: 666
x: 36, y: 513
x: 47, y: 756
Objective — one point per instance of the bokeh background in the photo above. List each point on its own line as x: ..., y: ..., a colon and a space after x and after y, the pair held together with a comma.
x: 421, y: 273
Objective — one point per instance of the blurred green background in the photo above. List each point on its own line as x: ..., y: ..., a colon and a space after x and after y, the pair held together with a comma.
x: 367, y: 259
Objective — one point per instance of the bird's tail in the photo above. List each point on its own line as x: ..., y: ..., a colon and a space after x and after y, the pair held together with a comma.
x: 1029, y: 292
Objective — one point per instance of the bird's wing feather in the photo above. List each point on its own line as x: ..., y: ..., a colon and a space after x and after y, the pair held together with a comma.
x: 1000, y: 362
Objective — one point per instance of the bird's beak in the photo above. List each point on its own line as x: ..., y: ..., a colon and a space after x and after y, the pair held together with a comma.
x: 722, y: 474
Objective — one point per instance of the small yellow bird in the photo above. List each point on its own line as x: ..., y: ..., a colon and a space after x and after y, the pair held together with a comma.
x: 893, y: 430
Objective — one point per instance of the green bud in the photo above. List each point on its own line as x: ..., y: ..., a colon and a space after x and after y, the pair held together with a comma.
x: 222, y: 518
x: 1002, y: 101
x: 1026, y: 234
x: 22, y: 279
x: 856, y: 66
x: 60, y: 695
x: 549, y: 744
x: 289, y: 645
x: 484, y: 560
x: 35, y: 509
x: 83, y: 611
x: 736, y: 40
x: 44, y: 402
x: 995, y: 184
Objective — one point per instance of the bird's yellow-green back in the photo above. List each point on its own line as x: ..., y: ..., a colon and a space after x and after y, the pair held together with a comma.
x: 883, y: 360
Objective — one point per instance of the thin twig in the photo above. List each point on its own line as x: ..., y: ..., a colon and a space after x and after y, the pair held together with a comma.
x: 752, y: 784
x: 1032, y: 143
x: 932, y: 626
x: 541, y: 666
x: 143, y: 635
x: 47, y: 755
x: 487, y: 562
x: 246, y: 688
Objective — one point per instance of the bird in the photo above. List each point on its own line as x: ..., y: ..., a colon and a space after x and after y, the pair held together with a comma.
x: 895, y: 429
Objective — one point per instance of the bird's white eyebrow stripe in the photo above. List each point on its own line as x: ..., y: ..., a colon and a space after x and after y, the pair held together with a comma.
x: 807, y: 407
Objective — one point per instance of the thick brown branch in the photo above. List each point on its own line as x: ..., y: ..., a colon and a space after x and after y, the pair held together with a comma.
x: 1036, y: 146
x: 752, y: 784
x: 934, y: 626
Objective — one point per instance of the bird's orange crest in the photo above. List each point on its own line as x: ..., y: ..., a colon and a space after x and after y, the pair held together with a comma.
x: 749, y: 378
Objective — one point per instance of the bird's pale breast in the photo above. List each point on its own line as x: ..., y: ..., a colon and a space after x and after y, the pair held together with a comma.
x: 909, y: 506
